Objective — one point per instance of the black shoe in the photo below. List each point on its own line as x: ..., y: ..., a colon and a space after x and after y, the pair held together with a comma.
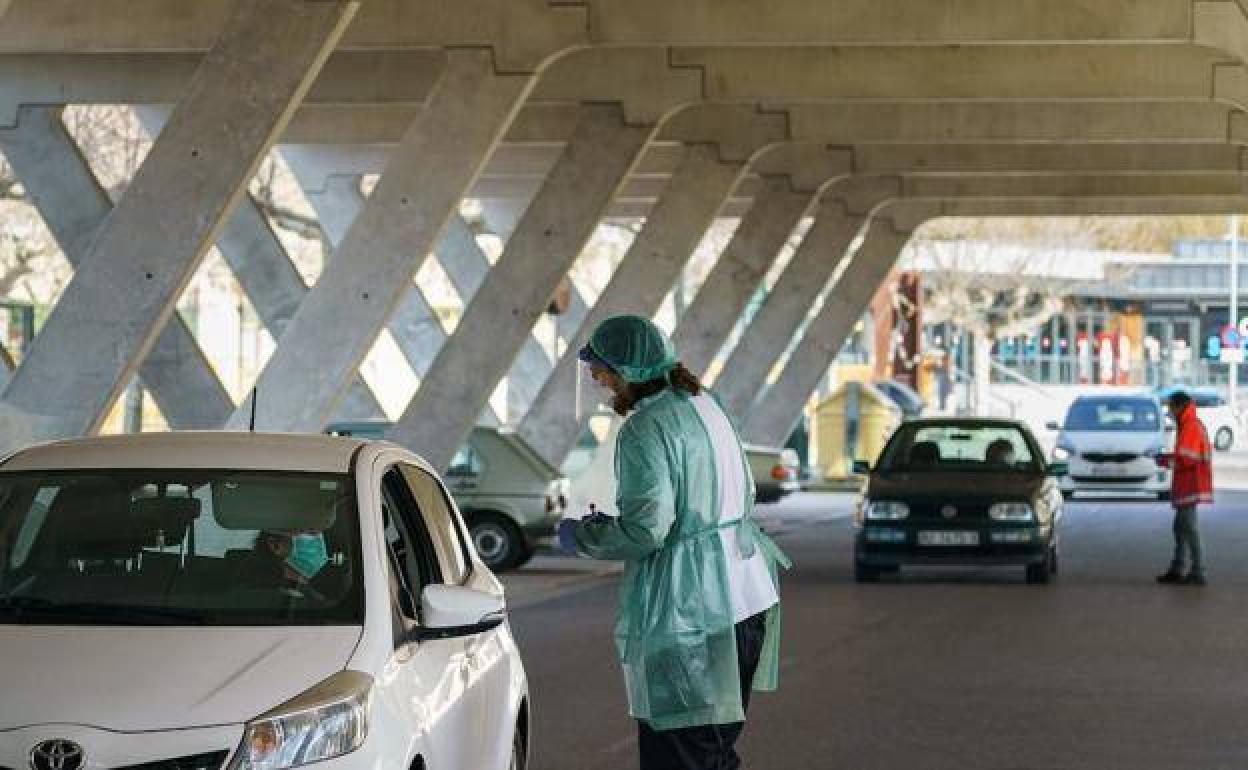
x: 1194, y: 579
x: 1173, y: 577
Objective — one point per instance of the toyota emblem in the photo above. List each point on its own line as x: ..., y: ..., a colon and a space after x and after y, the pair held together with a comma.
x: 57, y: 754
x: 948, y: 511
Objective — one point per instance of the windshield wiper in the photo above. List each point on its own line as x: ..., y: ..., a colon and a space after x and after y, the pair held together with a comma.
x: 33, y: 608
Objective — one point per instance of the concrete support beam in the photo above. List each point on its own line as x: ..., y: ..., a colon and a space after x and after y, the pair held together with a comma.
x: 739, y: 270
x: 548, y: 239
x: 428, y: 174
x: 771, y: 421
x: 266, y: 275
x: 121, y: 298
x: 644, y: 277
x: 843, y: 211
x: 73, y: 205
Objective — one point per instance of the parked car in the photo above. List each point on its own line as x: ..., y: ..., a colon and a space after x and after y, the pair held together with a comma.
x: 959, y: 491
x: 213, y: 600
x: 1111, y: 443
x: 1214, y: 411
x: 905, y: 397
x: 509, y: 495
x: 775, y: 472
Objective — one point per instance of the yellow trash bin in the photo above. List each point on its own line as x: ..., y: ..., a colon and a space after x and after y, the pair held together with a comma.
x: 853, y: 424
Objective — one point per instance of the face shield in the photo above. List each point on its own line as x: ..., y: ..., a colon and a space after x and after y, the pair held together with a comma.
x: 592, y: 397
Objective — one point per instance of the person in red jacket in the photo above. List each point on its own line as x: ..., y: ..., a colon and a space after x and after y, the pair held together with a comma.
x: 1191, y: 485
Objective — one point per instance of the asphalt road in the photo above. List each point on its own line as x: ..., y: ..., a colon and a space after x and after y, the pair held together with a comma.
x: 942, y: 669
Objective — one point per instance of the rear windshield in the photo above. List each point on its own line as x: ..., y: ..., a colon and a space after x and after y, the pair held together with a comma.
x: 179, y: 548
x: 958, y: 446
x: 1114, y: 414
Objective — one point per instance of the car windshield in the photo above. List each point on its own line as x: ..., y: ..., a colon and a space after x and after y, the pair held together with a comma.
x: 1114, y: 414
x: 169, y: 547
x: 958, y: 446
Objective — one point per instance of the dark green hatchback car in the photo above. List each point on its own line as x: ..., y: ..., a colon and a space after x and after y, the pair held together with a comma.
x: 959, y: 491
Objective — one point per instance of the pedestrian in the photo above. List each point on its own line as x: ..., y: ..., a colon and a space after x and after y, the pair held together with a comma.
x: 1190, y: 486
x: 699, y: 617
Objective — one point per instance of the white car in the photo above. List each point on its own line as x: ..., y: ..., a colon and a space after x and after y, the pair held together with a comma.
x: 234, y: 601
x: 1110, y: 443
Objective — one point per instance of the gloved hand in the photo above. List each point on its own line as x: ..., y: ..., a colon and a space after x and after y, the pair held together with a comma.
x: 567, y: 535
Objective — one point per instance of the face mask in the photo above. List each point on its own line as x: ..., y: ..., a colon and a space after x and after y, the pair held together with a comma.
x: 308, y: 555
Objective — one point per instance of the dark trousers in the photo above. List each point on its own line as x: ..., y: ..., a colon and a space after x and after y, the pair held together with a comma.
x: 1187, y: 539
x: 707, y: 747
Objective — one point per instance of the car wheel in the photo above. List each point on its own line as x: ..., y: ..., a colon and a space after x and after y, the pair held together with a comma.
x: 498, y: 541
x: 864, y: 573
x: 1223, y: 440
x: 1040, y: 573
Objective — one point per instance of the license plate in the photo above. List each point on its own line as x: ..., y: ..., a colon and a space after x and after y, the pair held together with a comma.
x: 1109, y: 469
x: 948, y: 538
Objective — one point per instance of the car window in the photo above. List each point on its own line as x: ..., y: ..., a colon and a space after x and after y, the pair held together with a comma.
x: 440, y: 521
x: 1114, y: 414
x: 1205, y: 400
x: 466, y: 462
x: 199, y: 547
x: 413, y: 557
x: 958, y: 446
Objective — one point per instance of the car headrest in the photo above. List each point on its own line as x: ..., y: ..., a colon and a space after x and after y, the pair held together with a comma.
x: 925, y: 453
x: 164, y: 520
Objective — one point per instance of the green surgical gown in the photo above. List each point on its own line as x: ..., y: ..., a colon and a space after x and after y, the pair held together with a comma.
x: 674, y: 630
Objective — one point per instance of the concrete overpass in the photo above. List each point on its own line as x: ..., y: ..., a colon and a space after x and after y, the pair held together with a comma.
x: 870, y: 117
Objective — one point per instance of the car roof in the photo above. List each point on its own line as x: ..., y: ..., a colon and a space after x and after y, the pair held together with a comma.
x: 193, y: 449
x: 1134, y: 395
x: 970, y: 422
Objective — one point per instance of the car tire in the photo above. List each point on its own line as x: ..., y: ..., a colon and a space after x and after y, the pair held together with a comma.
x: 1224, y: 439
x: 499, y: 542
x: 1038, y: 574
x: 1163, y: 497
x: 519, y: 752
x: 865, y: 573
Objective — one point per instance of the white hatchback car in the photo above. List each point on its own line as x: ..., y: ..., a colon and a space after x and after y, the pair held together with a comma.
x: 238, y: 601
x: 1110, y: 443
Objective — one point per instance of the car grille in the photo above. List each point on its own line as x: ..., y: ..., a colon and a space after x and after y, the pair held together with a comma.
x: 1110, y: 457
x: 1110, y: 479
x: 966, y: 511
x: 210, y: 761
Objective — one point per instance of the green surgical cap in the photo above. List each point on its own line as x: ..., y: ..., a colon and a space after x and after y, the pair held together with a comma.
x: 634, y: 348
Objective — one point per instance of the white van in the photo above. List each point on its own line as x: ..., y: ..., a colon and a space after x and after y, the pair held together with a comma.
x: 214, y: 601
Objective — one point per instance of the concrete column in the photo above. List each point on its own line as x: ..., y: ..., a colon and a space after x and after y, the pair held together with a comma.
x: 73, y: 205
x: 738, y: 272
x: 436, y: 161
x: 145, y: 252
x: 773, y: 418
x: 842, y: 212
x: 551, y: 234
x: 266, y: 274
x: 653, y: 264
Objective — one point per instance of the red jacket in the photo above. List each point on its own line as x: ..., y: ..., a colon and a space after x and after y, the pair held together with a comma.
x: 1192, y: 461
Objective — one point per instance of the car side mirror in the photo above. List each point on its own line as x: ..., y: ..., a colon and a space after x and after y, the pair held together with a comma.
x: 861, y: 467
x: 451, y: 612
x: 1052, y: 425
x: 1058, y: 469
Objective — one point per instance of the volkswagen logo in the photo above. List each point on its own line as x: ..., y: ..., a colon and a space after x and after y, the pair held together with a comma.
x: 948, y: 511
x: 57, y: 755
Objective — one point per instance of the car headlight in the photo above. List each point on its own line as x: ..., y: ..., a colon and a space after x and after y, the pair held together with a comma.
x: 1011, y: 512
x: 885, y: 510
x: 1062, y: 453
x: 327, y: 721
